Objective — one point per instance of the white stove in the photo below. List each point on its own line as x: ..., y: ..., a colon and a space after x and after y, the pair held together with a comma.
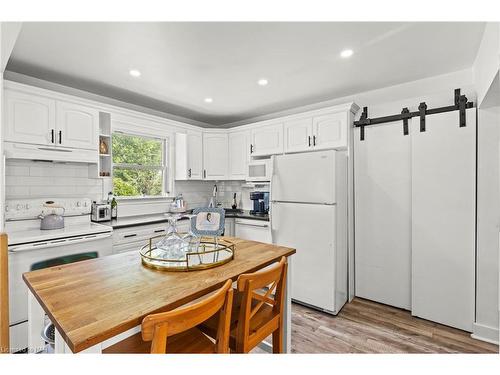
x: 31, y: 248
x: 26, y: 233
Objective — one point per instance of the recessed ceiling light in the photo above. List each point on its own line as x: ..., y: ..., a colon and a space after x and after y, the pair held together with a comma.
x: 208, y: 100
x: 262, y: 82
x: 134, y: 73
x: 346, y: 53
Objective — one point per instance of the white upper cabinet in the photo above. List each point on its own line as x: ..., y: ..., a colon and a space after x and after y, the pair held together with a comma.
x: 195, y: 155
x: 215, y: 156
x: 330, y: 131
x: 77, y: 126
x: 29, y: 118
x: 298, y: 135
x: 40, y: 120
x: 189, y: 155
x: 315, y: 130
x: 239, y: 154
x: 267, y: 140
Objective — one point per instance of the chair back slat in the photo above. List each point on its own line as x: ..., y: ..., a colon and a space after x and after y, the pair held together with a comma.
x: 158, y: 327
x: 263, y: 299
x: 272, y: 278
x: 4, y: 295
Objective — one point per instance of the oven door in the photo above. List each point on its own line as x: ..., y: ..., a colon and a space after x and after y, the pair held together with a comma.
x: 259, y: 171
x: 28, y: 257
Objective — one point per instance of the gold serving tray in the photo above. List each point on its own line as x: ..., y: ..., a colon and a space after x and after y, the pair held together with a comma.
x: 210, y: 254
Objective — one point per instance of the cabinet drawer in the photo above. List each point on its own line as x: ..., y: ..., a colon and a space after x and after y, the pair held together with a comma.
x: 138, y: 233
x: 253, y: 230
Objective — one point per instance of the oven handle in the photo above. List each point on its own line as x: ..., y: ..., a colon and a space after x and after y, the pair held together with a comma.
x: 60, y: 242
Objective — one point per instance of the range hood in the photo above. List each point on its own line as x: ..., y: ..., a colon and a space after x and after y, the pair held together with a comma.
x: 49, y: 153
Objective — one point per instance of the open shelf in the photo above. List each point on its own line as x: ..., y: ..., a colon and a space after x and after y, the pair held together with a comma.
x: 103, y: 167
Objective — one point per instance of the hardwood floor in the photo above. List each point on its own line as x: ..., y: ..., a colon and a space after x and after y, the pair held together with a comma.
x: 368, y: 327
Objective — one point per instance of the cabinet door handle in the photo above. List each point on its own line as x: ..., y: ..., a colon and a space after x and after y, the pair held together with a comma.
x: 314, y: 140
x: 251, y: 148
x: 309, y: 140
x: 52, y: 135
x: 204, y: 173
x: 189, y: 172
x: 159, y: 230
x: 130, y: 235
x: 60, y: 136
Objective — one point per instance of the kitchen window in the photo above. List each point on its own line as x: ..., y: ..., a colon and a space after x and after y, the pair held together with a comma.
x: 139, y: 166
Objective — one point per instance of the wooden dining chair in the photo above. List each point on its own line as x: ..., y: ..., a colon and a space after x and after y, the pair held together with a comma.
x: 257, y: 310
x: 4, y: 295
x: 176, y: 332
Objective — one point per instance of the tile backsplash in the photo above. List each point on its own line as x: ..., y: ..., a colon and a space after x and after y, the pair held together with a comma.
x: 198, y: 193
x: 38, y: 179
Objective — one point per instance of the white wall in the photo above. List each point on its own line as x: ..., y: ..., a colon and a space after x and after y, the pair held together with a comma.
x: 486, y: 67
x: 392, y: 98
x: 488, y: 220
x: 487, y: 61
x: 9, y: 33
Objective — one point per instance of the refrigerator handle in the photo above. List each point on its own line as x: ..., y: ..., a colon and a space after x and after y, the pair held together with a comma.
x: 271, y: 219
x: 271, y: 222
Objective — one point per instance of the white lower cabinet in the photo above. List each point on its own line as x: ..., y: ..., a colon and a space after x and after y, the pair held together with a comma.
x: 229, y: 227
x: 254, y: 230
x: 133, y: 238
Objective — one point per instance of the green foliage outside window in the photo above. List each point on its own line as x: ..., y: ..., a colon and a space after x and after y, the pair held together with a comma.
x: 137, y: 165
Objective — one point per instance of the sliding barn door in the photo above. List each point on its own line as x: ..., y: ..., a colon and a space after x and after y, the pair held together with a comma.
x: 443, y: 218
x: 382, y: 199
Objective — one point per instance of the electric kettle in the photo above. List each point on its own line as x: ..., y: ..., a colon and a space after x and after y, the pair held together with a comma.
x: 52, y: 220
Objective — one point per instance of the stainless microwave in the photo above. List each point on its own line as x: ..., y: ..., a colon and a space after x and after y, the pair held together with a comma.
x: 259, y: 170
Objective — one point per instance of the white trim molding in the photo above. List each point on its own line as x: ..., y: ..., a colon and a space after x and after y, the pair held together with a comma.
x: 485, y: 333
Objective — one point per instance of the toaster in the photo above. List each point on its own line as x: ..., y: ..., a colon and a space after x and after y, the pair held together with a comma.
x: 101, y: 212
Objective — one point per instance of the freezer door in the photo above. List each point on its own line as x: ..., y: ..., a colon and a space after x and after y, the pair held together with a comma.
x: 318, y: 270
x: 307, y: 177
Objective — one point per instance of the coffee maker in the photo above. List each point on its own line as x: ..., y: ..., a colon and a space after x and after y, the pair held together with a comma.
x: 260, y: 201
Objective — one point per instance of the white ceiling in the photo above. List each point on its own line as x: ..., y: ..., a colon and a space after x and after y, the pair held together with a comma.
x: 182, y: 63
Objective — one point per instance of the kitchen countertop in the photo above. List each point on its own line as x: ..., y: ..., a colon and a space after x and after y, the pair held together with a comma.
x: 132, y: 221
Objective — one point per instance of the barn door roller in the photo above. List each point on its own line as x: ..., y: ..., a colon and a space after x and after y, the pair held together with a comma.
x: 460, y: 103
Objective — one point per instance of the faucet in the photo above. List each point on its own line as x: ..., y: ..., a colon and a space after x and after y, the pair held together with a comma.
x: 213, y: 200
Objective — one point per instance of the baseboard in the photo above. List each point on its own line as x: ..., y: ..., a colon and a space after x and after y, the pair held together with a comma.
x: 485, y: 333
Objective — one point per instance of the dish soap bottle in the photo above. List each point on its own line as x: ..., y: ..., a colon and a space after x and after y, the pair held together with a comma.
x: 114, y: 208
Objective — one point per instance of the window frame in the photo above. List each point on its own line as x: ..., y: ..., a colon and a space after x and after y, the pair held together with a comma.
x: 164, y: 167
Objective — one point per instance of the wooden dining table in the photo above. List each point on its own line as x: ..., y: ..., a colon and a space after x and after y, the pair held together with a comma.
x: 96, y: 303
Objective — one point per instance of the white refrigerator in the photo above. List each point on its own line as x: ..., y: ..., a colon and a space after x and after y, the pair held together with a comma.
x: 309, y: 213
